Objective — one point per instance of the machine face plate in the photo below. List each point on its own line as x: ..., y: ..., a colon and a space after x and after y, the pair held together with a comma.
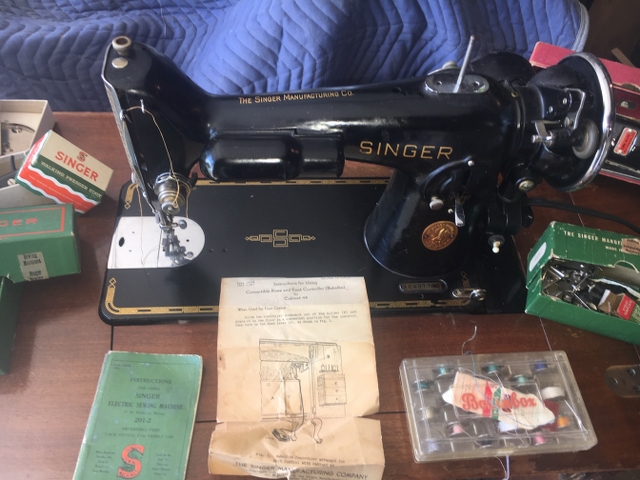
x: 303, y: 228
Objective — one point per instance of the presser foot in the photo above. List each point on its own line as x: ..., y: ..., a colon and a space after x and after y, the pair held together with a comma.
x: 15, y: 137
x: 139, y: 243
x: 172, y: 248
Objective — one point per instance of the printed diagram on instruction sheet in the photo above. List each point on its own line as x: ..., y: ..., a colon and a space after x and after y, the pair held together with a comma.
x: 301, y: 383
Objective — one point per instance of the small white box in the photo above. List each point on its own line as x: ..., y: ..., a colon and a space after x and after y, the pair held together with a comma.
x: 22, y: 122
x: 14, y: 196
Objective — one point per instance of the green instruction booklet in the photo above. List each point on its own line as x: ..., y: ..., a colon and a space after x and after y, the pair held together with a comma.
x: 142, y: 417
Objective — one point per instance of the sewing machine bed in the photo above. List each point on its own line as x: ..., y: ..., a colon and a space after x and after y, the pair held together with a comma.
x: 302, y: 228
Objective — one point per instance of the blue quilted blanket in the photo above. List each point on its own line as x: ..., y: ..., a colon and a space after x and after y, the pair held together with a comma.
x: 53, y: 49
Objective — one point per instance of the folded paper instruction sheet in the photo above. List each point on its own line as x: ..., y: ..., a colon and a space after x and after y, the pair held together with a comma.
x: 296, y: 372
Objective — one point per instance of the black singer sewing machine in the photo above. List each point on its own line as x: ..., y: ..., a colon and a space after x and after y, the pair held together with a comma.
x: 465, y: 144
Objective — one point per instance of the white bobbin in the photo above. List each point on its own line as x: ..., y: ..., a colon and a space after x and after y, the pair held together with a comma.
x: 550, y: 393
x: 429, y: 412
x: 505, y: 427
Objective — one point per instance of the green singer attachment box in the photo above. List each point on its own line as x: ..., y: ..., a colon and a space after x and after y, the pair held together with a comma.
x: 38, y: 242
x: 586, y: 278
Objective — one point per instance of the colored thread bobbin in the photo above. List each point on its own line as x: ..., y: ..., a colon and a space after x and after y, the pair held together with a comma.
x: 434, y: 446
x: 443, y: 370
x: 552, y: 393
x: 427, y: 413
x: 521, y: 378
x: 524, y: 383
x: 444, y: 383
x: 456, y: 430
x: 563, y: 421
x: 539, y: 439
x: 492, y: 368
x: 539, y: 366
x: 423, y: 385
x: 484, y: 431
x: 449, y: 415
x: 505, y: 427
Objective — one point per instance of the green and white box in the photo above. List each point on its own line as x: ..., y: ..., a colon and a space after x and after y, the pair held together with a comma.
x: 38, y: 242
x: 617, y: 254
x: 57, y: 169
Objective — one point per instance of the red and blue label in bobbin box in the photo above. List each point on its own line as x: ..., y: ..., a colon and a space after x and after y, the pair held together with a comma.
x: 58, y: 169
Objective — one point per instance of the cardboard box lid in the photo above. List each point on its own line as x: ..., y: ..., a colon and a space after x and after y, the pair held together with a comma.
x: 37, y: 243
x: 582, y: 244
x: 19, y: 223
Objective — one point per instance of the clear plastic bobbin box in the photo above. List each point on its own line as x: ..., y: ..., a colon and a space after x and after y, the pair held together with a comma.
x: 471, y: 406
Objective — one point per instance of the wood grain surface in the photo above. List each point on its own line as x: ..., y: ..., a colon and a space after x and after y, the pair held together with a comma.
x: 60, y: 344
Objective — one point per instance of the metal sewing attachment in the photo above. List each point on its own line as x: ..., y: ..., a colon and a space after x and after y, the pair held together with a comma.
x: 465, y: 64
x: 478, y: 294
x: 596, y: 288
x: 624, y: 380
x: 446, y: 80
x: 571, y: 282
x: 171, y: 244
x: 15, y: 137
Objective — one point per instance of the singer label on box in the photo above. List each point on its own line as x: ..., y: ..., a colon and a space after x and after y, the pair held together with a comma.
x: 59, y: 170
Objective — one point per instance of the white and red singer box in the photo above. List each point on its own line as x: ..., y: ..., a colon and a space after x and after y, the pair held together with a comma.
x: 58, y: 169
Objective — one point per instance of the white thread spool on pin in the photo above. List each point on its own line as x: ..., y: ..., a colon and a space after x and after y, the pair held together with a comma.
x: 552, y: 393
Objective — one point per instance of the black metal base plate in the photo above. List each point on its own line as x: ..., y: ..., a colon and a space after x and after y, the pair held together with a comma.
x: 303, y: 228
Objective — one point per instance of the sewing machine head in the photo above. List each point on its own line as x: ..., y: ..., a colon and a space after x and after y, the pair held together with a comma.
x: 466, y: 144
